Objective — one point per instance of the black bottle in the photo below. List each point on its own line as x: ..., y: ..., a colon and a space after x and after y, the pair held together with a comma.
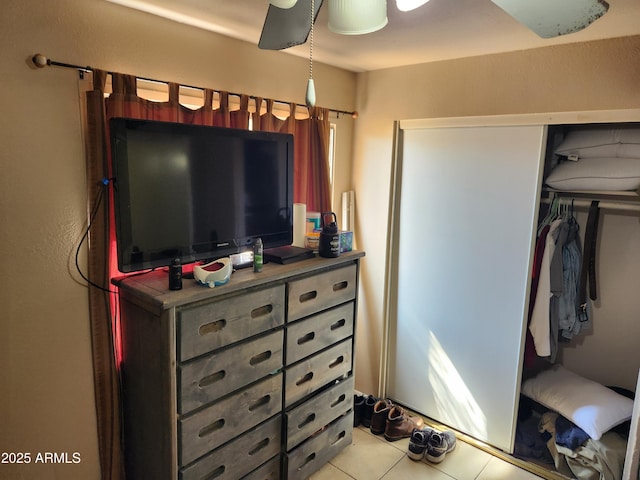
x: 175, y: 275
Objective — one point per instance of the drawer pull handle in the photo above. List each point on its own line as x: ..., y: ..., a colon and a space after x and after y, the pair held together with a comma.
x: 261, y: 357
x: 305, y: 379
x: 337, y: 361
x: 217, y: 472
x: 306, y: 338
x: 260, y: 402
x: 307, y: 460
x: 340, y: 285
x: 211, y: 379
x: 307, y: 421
x: 212, y: 327
x: 341, y: 435
x: 214, y: 427
x: 259, y: 446
x: 339, y: 400
x: 305, y: 297
x: 261, y: 311
x: 339, y: 324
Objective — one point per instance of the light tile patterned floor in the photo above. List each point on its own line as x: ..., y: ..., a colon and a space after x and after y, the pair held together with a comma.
x: 371, y: 457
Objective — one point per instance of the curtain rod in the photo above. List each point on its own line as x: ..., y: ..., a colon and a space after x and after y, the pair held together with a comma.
x: 41, y: 61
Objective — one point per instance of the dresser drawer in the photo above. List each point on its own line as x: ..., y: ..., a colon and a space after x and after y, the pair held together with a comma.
x: 206, y: 379
x: 241, y: 456
x: 212, y: 325
x: 318, y: 332
x: 313, y: 294
x: 311, y: 416
x: 314, y: 372
x: 269, y: 471
x: 309, y: 457
x: 220, y: 422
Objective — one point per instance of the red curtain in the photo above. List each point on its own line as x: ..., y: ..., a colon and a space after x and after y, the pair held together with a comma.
x: 311, y: 186
x: 105, y: 372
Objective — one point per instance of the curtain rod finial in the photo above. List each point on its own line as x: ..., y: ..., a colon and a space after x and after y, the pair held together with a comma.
x: 40, y: 60
x: 354, y: 115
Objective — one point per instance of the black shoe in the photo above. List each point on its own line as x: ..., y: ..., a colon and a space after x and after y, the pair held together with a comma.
x: 358, y: 409
x: 367, y: 411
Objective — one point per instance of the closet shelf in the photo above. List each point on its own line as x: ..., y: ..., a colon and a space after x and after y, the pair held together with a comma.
x: 626, y: 194
x: 610, y: 200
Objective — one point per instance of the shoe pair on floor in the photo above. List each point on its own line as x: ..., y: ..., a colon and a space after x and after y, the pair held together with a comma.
x: 431, y: 444
x: 363, y: 409
x: 383, y: 417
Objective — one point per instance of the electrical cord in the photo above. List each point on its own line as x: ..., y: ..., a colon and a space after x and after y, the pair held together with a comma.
x: 97, y: 202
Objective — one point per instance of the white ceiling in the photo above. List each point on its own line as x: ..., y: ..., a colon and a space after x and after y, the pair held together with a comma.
x: 439, y: 30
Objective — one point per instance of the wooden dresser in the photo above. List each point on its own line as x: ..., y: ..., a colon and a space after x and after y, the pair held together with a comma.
x: 252, y: 379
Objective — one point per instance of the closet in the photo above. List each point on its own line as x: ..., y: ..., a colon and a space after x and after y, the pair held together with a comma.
x: 467, y: 199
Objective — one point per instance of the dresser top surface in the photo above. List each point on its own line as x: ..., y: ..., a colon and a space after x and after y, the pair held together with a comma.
x: 152, y: 288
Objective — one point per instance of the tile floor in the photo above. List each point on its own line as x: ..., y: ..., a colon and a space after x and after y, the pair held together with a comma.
x: 371, y: 457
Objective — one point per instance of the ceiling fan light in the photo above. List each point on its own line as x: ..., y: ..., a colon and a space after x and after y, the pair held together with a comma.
x: 283, y: 3
x: 408, y: 5
x: 357, y: 17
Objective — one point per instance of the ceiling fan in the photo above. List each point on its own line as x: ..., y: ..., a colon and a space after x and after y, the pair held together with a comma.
x: 288, y: 21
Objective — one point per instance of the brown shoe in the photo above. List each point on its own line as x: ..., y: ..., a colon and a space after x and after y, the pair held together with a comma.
x: 400, y: 425
x: 379, y: 418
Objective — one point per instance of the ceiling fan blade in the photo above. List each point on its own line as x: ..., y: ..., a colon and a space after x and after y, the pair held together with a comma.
x: 552, y: 18
x: 284, y: 28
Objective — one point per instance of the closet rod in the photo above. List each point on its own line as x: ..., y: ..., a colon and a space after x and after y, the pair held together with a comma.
x: 41, y: 61
x: 629, y: 207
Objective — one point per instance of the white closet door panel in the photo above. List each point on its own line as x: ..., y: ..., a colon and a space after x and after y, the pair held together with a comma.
x: 468, y: 203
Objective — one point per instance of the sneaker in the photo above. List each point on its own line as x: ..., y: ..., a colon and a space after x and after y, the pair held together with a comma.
x: 450, y: 437
x: 379, y: 417
x: 438, y: 446
x: 400, y: 425
x: 418, y: 443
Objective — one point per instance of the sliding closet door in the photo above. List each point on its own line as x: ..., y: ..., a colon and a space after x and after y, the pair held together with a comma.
x: 465, y: 208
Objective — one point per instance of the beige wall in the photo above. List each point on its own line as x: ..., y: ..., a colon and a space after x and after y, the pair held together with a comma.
x: 46, y: 393
x: 592, y: 76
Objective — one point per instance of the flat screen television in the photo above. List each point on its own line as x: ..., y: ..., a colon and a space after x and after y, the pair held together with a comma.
x: 197, y: 192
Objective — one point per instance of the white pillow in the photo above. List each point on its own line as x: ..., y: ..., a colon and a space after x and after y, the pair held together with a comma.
x: 594, y: 408
x: 601, y: 141
x: 596, y: 174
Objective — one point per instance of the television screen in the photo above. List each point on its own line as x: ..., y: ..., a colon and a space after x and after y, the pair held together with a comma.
x: 197, y: 192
